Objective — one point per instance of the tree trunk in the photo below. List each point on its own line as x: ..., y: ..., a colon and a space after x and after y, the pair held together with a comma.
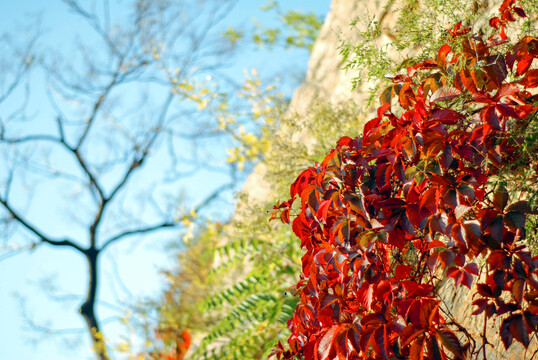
x: 87, y: 309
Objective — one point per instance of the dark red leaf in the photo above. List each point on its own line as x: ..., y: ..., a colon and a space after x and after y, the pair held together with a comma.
x: 449, y: 340
x: 496, y: 228
x: 445, y: 116
x: 518, y: 329
x: 466, y: 191
x: 520, y: 11
x: 518, y: 286
x: 506, y: 334
x: 433, y: 348
x: 498, y: 259
x: 471, y: 268
x: 484, y: 290
x: 515, y: 220
x: 409, y: 334
x: 500, y: 199
x: 520, y: 206
x: 381, y: 341
x: 489, y: 116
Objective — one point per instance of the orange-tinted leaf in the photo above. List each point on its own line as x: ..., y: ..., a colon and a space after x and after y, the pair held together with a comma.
x: 530, y: 80
x: 441, y: 55
x: 445, y: 93
x: 406, y: 96
x: 428, y: 313
x: 524, y: 64
x: 416, y: 351
x: 389, y: 93
x: 518, y: 286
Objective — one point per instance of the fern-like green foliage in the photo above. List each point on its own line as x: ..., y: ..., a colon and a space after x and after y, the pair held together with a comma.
x: 230, y: 288
x: 260, y: 259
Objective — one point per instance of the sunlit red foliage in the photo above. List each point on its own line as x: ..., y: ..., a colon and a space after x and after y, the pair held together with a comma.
x: 386, y: 215
x: 180, y: 340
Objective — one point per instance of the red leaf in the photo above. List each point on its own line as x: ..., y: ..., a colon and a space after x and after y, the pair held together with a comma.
x: 402, y: 271
x: 471, y: 268
x: 518, y: 329
x: 428, y: 199
x: 520, y: 11
x: 323, y: 209
x: 524, y: 64
x: 450, y: 341
x: 381, y: 341
x: 520, y: 206
x: 445, y: 116
x: 325, y: 343
x: 506, y: 334
x: 365, y: 295
x: 302, y: 181
x: 428, y: 313
x: 406, y: 96
x: 500, y: 199
x: 506, y: 90
x: 344, y: 141
x: 441, y: 56
x: 409, y: 334
x: 498, y: 259
x: 518, y: 286
x: 530, y: 80
x: 489, y: 116
x: 445, y: 94
x: 416, y: 351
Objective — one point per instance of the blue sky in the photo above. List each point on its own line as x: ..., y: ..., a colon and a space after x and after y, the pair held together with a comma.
x: 44, y: 285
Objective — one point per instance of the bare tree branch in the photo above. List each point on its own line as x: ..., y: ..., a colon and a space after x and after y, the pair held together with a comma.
x: 42, y: 237
x: 137, y: 231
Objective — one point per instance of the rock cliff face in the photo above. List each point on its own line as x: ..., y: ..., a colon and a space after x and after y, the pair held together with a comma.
x: 327, y: 80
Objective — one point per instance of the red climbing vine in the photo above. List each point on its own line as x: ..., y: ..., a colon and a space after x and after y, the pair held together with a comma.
x: 416, y: 200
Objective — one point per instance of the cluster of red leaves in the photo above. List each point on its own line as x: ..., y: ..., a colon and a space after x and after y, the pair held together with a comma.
x: 388, y: 215
x: 181, y: 343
